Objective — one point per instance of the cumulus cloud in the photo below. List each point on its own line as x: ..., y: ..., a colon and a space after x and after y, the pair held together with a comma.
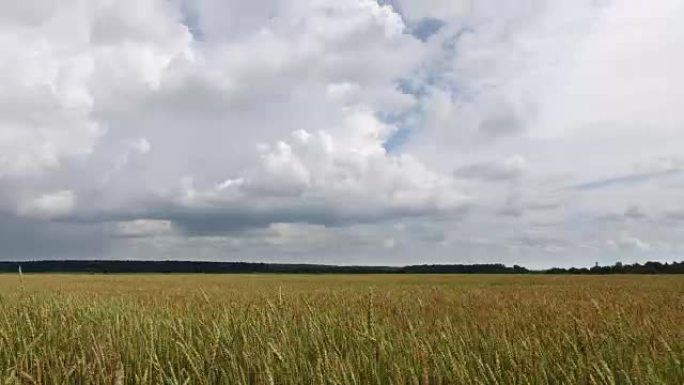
x: 322, y: 178
x: 629, y: 242
x: 354, y: 168
x: 47, y: 206
x: 143, y: 228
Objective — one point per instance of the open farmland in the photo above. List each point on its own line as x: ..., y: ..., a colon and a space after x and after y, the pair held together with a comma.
x: 341, y: 329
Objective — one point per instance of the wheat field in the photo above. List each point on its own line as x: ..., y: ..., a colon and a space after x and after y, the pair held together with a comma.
x: 370, y: 329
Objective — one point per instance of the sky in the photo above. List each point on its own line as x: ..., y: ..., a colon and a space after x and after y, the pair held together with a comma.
x: 533, y: 132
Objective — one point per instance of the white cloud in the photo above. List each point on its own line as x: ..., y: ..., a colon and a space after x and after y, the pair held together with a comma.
x: 628, y: 242
x: 50, y: 205
x: 389, y: 243
x: 65, y: 65
x: 352, y: 169
x: 288, y: 234
x: 143, y: 228
x: 341, y: 176
x: 44, y: 105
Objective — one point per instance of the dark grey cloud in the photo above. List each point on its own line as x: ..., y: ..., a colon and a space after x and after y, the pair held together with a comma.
x: 235, y: 218
x: 500, y: 125
x: 511, y: 211
x: 631, y: 213
x: 675, y: 216
x: 634, y: 212
x: 25, y: 238
x: 631, y: 179
x: 507, y: 170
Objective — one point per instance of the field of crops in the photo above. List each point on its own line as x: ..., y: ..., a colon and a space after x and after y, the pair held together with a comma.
x: 261, y: 329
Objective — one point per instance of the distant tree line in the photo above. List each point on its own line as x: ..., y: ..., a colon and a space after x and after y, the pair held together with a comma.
x: 120, y: 267
x: 104, y: 266
x: 619, y: 268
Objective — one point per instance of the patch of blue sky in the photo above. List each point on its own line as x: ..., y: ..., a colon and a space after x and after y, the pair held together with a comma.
x: 397, y: 139
x: 394, y: 4
x: 406, y: 123
x: 435, y: 76
x: 192, y: 21
x: 425, y: 28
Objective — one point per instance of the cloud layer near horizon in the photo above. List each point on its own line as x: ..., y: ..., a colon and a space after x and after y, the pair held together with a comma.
x: 538, y: 132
